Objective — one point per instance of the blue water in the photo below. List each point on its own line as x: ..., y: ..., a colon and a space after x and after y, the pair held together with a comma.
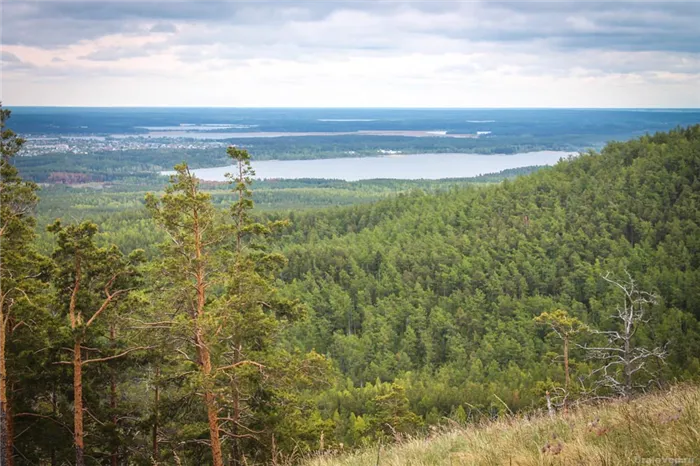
x: 416, y: 166
x: 572, y: 125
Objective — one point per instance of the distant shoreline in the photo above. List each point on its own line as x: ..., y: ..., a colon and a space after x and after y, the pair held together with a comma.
x: 428, y: 166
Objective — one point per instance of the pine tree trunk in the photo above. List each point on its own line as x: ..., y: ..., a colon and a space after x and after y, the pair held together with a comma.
x: 3, y: 434
x: 210, y: 400
x: 3, y: 392
x: 54, y: 410
x: 213, y: 417
x: 75, y: 320
x: 203, y: 349
x: 235, y: 449
x: 113, y: 406
x: 236, y: 453
x: 113, y: 398
x: 155, y: 418
x: 10, y: 447
x: 78, y: 405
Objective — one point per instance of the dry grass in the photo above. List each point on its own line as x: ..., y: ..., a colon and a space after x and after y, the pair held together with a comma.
x: 653, y: 429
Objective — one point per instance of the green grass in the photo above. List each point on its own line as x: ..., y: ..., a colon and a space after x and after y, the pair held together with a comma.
x: 653, y: 429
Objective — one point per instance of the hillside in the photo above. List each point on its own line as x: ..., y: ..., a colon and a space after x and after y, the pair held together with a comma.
x: 242, y: 339
x: 654, y: 429
x: 432, y: 297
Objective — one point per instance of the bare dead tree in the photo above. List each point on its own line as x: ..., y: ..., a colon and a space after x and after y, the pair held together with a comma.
x: 621, y: 359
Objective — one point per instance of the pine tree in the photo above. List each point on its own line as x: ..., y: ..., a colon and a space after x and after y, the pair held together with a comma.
x: 18, y: 263
x: 188, y: 217
x: 89, y: 282
x: 565, y: 327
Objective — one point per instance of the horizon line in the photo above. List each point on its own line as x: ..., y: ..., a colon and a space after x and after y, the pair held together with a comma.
x: 336, y: 107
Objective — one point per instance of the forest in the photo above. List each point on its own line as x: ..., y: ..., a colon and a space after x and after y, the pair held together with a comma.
x: 118, y: 207
x: 214, y: 332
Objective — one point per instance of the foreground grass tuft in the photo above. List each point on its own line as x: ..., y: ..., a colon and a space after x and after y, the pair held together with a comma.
x: 662, y: 428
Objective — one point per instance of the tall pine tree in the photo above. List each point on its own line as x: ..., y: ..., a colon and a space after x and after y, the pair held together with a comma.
x: 18, y: 264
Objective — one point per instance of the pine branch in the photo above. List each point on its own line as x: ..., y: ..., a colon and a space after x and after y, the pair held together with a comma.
x: 109, y: 358
x: 241, y: 363
x: 106, y: 302
x: 42, y: 416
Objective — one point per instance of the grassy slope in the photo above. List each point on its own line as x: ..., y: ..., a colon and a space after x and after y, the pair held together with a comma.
x: 648, y: 430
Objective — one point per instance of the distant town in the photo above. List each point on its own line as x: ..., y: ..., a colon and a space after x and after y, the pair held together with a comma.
x: 43, y: 145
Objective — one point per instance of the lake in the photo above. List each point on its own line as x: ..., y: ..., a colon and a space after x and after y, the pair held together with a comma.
x: 408, y: 167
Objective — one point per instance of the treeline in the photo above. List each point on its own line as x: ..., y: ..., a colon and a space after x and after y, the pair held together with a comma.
x: 263, y: 338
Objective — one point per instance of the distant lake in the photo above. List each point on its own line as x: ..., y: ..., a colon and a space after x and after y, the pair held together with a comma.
x: 408, y: 167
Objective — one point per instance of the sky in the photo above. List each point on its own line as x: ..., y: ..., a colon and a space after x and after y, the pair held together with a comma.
x: 378, y: 53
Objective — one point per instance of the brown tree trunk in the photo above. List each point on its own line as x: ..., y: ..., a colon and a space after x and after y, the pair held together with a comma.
x: 213, y: 417
x: 235, y: 447
x: 236, y: 453
x: 4, y: 437
x: 210, y: 401
x: 155, y: 417
x: 78, y: 405
x: 203, y: 349
x: 113, y: 399
x: 54, y: 410
x: 75, y: 320
x: 10, y: 455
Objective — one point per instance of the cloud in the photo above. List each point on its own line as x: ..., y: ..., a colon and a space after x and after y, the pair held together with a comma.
x: 164, y: 28
x: 378, y: 51
x: 113, y: 54
x: 612, y: 25
x: 8, y: 57
x: 108, y: 54
x: 59, y: 23
x: 11, y: 63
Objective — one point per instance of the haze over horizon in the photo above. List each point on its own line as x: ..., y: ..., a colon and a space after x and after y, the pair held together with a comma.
x: 395, y: 54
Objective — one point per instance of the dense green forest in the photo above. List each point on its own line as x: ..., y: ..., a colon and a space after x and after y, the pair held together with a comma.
x: 118, y: 208
x: 257, y: 337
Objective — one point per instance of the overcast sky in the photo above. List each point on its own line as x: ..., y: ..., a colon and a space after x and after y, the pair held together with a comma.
x: 380, y: 53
